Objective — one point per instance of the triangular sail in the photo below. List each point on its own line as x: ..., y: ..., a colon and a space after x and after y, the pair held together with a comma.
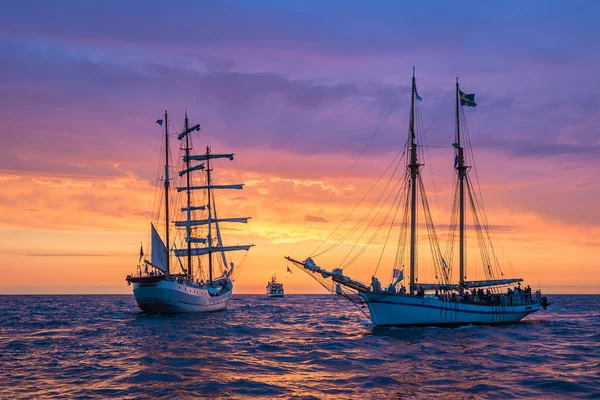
x: 159, y: 252
x: 219, y: 240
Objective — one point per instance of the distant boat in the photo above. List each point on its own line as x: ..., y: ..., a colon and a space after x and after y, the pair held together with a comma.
x: 443, y: 301
x: 274, y: 289
x: 196, y: 289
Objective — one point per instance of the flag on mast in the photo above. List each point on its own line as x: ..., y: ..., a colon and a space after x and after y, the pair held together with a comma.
x: 467, y: 99
x: 141, y: 252
x: 417, y: 93
x: 398, y: 274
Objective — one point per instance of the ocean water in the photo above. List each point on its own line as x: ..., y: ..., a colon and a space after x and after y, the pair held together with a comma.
x: 302, y: 347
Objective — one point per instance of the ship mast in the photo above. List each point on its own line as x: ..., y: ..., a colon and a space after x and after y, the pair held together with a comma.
x: 414, y: 170
x: 188, y: 226
x: 210, y: 257
x: 461, y: 169
x: 167, y: 188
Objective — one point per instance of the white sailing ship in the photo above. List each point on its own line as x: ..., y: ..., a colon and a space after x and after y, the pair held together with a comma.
x: 197, y: 287
x: 462, y: 301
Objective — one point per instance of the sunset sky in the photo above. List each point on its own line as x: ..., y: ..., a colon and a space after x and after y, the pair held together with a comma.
x: 296, y: 90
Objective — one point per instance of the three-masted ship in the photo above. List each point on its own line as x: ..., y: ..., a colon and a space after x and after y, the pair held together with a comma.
x: 444, y: 301
x: 189, y: 273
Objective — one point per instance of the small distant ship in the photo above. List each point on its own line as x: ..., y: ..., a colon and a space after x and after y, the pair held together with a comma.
x: 274, y: 289
x: 156, y: 286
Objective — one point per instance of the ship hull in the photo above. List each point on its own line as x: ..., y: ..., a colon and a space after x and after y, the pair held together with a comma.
x: 275, y: 294
x: 399, y: 310
x: 167, y: 296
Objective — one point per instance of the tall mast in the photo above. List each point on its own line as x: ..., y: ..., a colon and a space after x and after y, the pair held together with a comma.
x: 461, y: 168
x: 167, y: 187
x: 209, y: 206
x: 188, y: 226
x: 414, y: 170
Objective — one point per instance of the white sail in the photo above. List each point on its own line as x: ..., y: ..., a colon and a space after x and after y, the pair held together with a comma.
x: 207, y: 250
x: 204, y: 157
x: 204, y: 187
x: 219, y: 239
x: 197, y: 222
x: 159, y: 251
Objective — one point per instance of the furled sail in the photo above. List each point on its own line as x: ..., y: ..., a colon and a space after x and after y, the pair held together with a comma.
x: 159, y: 252
x: 192, y: 129
x: 493, y: 282
x: 468, y: 284
x: 234, y: 186
x: 190, y: 169
x: 207, y: 250
x: 197, y: 222
x: 195, y: 240
x: 192, y: 208
x: 205, y: 157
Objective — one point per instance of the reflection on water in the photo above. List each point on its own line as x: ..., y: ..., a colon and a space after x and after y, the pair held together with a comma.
x: 297, y: 346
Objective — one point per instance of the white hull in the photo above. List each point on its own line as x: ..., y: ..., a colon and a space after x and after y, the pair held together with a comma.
x: 167, y: 296
x: 413, y: 310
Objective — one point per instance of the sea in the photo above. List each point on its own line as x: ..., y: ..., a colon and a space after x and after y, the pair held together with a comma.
x: 296, y: 347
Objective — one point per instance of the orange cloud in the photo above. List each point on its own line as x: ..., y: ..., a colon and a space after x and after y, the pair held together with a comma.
x: 86, y: 230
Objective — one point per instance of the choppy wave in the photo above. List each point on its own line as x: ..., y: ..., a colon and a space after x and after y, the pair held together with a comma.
x: 294, y: 347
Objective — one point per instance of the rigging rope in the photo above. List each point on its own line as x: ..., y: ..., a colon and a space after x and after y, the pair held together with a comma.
x: 362, y: 250
x: 331, y: 247
x: 479, y: 199
x: 351, y: 168
x: 398, y: 197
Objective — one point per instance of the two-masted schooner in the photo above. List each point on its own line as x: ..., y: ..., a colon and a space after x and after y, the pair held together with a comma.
x: 444, y: 301
x: 197, y: 286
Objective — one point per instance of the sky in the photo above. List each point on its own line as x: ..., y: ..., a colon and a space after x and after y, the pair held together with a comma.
x: 296, y: 90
